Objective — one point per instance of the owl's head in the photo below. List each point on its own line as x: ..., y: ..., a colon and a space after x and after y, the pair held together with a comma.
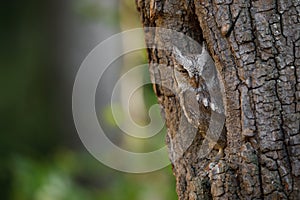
x: 194, y: 63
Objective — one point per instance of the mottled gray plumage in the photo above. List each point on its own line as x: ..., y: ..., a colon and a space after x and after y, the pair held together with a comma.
x: 202, y: 101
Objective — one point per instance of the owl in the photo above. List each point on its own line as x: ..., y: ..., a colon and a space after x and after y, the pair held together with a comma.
x: 200, y: 95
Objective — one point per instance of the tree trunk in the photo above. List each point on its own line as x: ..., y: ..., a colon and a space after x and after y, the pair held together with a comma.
x: 255, y: 46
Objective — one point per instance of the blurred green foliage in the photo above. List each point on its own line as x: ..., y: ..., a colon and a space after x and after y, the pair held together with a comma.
x: 73, y: 175
x: 92, y: 10
x: 37, y: 162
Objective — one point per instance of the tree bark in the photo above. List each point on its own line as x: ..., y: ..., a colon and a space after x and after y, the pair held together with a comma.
x: 255, y: 46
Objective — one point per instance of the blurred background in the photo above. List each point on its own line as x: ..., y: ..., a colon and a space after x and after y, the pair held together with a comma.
x: 41, y: 156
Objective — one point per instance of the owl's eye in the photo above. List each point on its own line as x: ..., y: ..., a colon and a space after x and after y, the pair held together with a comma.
x: 181, y: 70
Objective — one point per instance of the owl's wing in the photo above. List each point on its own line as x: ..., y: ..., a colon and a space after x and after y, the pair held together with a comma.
x: 194, y: 110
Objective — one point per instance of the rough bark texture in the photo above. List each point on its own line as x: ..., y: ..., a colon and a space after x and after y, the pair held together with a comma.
x: 256, y: 49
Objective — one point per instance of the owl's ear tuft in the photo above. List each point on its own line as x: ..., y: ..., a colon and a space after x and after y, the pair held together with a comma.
x: 176, y: 51
x: 185, y: 61
x: 204, y: 47
x: 203, y: 57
